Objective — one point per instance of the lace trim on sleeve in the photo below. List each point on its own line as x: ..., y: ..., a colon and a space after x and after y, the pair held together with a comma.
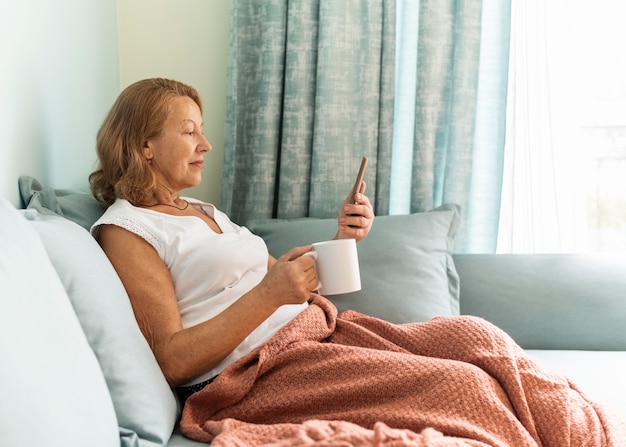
x: 135, y: 227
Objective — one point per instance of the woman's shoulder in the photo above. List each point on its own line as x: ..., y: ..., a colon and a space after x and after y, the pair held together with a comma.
x: 123, y: 214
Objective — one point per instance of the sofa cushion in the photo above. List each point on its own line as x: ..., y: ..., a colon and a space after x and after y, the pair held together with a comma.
x: 145, y: 405
x: 407, y: 270
x: 51, y: 386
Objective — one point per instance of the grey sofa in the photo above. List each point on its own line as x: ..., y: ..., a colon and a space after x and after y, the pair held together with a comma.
x: 76, y: 371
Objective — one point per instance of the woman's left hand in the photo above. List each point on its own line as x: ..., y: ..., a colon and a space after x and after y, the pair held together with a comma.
x: 355, y: 219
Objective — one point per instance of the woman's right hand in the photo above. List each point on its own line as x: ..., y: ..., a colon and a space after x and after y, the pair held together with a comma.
x: 291, y: 279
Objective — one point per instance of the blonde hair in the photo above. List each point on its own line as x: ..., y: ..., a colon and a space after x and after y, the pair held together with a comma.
x: 137, y: 115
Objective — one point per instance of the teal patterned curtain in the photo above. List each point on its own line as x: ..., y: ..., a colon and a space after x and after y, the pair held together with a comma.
x: 310, y: 92
x: 452, y: 70
x: 315, y: 85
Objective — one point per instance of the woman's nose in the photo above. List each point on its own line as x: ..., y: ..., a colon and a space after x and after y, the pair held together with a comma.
x: 205, y: 146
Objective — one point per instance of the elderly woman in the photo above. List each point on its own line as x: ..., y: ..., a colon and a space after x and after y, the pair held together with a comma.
x: 242, y: 335
x: 204, y: 290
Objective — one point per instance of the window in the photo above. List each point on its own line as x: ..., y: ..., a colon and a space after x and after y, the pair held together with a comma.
x: 565, y: 163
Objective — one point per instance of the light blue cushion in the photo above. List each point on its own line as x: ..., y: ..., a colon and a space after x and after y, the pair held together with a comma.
x: 407, y: 270
x: 52, y: 391
x: 145, y: 405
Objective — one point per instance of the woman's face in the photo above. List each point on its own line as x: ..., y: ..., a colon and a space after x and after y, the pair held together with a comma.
x: 177, y: 155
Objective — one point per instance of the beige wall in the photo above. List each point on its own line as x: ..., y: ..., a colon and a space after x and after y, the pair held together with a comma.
x: 186, y: 40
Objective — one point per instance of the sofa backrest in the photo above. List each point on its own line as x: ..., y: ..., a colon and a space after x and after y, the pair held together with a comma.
x: 548, y: 301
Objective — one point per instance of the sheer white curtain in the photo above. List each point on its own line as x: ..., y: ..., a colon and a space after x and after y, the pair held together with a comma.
x: 551, y: 163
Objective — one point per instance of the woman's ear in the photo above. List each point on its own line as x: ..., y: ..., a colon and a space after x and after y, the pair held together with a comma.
x: 147, y: 150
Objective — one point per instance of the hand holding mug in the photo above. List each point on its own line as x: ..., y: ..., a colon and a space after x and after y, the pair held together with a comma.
x: 337, y: 265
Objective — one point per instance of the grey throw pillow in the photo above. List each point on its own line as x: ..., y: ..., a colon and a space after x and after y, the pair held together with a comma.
x: 73, y: 204
x: 407, y: 270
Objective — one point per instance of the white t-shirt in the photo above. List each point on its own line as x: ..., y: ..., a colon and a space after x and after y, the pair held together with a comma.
x: 210, y: 270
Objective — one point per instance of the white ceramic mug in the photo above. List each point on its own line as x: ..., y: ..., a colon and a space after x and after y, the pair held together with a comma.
x: 337, y: 265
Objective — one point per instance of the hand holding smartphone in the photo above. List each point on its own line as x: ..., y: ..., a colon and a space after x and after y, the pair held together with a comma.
x: 359, y: 179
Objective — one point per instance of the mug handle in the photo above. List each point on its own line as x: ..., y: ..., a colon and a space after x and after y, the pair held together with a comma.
x: 313, y: 254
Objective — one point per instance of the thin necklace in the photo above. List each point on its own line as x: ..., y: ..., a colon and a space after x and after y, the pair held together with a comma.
x: 167, y: 204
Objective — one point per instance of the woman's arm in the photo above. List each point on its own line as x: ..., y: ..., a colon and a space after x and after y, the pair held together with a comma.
x: 184, y: 354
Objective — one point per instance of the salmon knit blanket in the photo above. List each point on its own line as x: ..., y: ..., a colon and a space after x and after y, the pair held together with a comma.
x: 354, y: 380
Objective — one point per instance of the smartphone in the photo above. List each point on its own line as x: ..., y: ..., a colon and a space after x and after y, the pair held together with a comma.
x: 359, y: 179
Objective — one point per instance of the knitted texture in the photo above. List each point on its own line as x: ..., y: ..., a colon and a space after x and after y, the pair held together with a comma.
x: 356, y: 380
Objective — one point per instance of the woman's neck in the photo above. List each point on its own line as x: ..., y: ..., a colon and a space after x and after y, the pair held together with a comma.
x: 163, y: 196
